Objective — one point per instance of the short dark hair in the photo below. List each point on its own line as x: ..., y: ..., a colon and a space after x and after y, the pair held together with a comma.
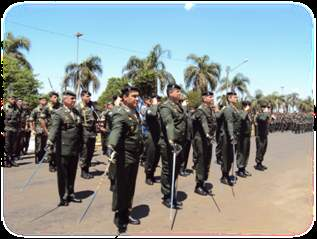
x: 171, y: 87
x: 127, y: 89
x: 53, y: 93
x: 245, y: 103
x: 84, y: 92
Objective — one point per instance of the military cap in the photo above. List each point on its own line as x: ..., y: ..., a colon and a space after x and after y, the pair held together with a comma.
x: 231, y: 93
x: 127, y: 89
x: 84, y: 92
x: 12, y: 96
x: 50, y: 94
x: 207, y: 93
x: 173, y: 86
x: 69, y: 93
x: 42, y: 96
x: 263, y: 104
x: 246, y: 102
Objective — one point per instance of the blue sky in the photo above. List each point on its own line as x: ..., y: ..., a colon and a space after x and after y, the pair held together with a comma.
x: 277, y: 39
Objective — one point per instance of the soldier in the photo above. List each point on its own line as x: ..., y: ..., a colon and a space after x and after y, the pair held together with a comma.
x: 105, y: 118
x: 20, y: 136
x: 262, y: 121
x: 188, y: 142
x: 26, y: 127
x: 11, y: 130
x: 124, y: 150
x: 89, y: 133
x: 46, y: 123
x: 145, y: 128
x: 66, y: 135
x: 230, y: 134
x: 243, y: 146
x: 152, y: 143
x: 204, y: 127
x: 173, y: 133
x: 40, y: 135
x: 219, y: 136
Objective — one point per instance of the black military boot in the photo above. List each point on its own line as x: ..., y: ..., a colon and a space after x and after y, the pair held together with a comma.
x: 85, y: 174
x: 134, y: 221
x: 247, y: 173
x: 200, y: 190
x: 226, y: 180
x: 149, y: 181
x: 13, y: 163
x: 259, y: 167
x: 240, y: 173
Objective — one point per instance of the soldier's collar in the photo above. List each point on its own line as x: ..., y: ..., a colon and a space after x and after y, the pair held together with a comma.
x: 67, y: 109
x: 127, y: 109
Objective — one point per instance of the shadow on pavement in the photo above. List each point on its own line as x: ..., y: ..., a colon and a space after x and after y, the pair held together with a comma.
x: 83, y: 194
x: 140, y: 211
x: 20, y: 164
x: 97, y: 173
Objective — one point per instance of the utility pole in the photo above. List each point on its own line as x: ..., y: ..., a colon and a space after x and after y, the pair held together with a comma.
x: 78, y: 34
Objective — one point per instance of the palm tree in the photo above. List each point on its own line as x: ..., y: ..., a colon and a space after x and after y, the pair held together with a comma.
x: 202, y: 74
x: 293, y: 99
x: 306, y: 105
x: 238, y: 83
x: 145, y: 73
x: 256, y: 100
x: 275, y: 100
x: 82, y: 75
x: 12, y: 47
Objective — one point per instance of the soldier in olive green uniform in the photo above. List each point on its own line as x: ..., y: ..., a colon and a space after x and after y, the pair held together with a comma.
x: 243, y: 146
x: 262, y: 121
x: 219, y: 134
x: 105, y: 121
x: 66, y: 136
x: 12, y: 122
x: 89, y: 133
x: 46, y: 123
x: 204, y: 135
x: 152, y: 148
x: 230, y: 127
x: 124, y: 149
x: 40, y: 134
x: 173, y: 133
x: 188, y: 140
x: 25, y: 127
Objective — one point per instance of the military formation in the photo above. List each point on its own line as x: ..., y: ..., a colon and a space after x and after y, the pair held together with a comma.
x: 133, y: 135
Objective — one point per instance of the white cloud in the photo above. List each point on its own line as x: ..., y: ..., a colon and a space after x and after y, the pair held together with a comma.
x: 188, y: 5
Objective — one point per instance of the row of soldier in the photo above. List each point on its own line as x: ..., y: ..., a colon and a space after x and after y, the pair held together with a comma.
x: 129, y: 136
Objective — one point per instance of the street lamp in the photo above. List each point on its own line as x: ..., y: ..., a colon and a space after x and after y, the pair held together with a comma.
x: 78, y: 34
x: 228, y: 70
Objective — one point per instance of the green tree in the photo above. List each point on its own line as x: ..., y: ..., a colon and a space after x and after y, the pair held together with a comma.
x: 83, y: 75
x: 202, y: 75
x: 19, y: 80
x: 306, y: 105
x: 114, y: 86
x: 238, y: 83
x: 12, y: 47
x: 145, y: 73
x: 194, y: 98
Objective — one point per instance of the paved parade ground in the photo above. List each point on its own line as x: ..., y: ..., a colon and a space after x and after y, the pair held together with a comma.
x: 278, y: 201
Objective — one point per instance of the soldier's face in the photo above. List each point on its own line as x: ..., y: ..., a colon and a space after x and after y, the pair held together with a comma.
x: 132, y: 99
x: 43, y: 101
x: 233, y: 99
x: 175, y: 94
x: 86, y: 98
x: 54, y: 99
x: 208, y: 99
x: 19, y: 103
x: 69, y: 101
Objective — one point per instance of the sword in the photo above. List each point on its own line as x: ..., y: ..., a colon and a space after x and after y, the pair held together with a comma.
x: 95, y: 193
x: 36, y: 169
x: 176, y: 151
